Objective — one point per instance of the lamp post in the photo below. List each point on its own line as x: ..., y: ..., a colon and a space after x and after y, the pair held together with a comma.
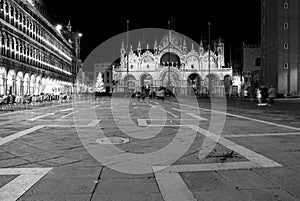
x: 169, y: 49
x: 209, y: 84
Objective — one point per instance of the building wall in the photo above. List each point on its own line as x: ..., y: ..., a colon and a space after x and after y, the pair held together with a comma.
x: 33, y: 54
x: 280, y: 26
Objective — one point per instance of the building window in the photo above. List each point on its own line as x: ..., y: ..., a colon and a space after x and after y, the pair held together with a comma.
x: 285, y: 25
x: 131, y: 66
x: 148, y: 66
x: 286, y: 5
x: 286, y: 66
x: 286, y: 46
x: 258, y: 62
x: 192, y: 66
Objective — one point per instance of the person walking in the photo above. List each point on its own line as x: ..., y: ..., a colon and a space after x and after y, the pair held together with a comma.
x: 246, y: 94
x: 272, y: 95
x: 259, y: 96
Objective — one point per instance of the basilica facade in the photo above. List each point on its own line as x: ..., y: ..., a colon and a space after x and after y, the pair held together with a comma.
x: 174, y: 64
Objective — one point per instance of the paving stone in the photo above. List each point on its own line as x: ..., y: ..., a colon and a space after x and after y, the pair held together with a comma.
x: 74, y: 173
x: 121, y: 196
x: 52, y: 197
x: 269, y: 195
x: 5, y: 179
x: 217, y: 194
x: 13, y: 162
x: 108, y: 173
x: 63, y: 186
x: 204, y: 181
x: 246, y: 179
x: 286, y: 178
x: 126, y: 185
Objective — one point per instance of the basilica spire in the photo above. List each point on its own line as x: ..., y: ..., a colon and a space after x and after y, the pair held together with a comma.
x: 122, y: 49
x: 139, y: 49
x: 184, y: 45
x: 201, y: 49
x: 155, y: 46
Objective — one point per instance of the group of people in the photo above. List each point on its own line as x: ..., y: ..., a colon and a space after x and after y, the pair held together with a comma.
x: 146, y: 92
x: 264, y: 96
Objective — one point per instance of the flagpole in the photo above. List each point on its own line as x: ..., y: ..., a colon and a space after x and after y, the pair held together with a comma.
x: 127, y: 50
x: 127, y: 47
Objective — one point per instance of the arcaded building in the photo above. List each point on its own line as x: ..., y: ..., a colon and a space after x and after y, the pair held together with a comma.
x: 35, y: 55
x: 172, y: 63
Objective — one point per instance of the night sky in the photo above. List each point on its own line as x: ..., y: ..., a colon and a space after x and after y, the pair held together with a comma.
x: 233, y: 20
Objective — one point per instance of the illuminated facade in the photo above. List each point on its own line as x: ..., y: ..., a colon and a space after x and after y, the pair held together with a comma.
x: 35, y: 57
x: 170, y: 64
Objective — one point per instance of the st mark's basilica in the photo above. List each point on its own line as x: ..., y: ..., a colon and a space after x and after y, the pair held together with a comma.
x: 174, y: 64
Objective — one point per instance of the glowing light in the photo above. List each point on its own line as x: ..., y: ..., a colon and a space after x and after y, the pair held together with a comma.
x: 58, y: 28
x: 80, y: 35
x: 31, y: 2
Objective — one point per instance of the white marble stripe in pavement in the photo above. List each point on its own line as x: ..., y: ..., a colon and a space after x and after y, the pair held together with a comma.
x: 207, y: 167
x: 170, y: 113
x: 62, y: 117
x: 191, y: 114
x: 247, y: 153
x: 92, y: 124
x: 197, y: 117
x: 260, y: 135
x: 173, y: 188
x: 26, y: 179
x: 20, y: 134
x: 142, y: 122
x: 40, y: 117
x: 241, y: 117
x: 65, y: 110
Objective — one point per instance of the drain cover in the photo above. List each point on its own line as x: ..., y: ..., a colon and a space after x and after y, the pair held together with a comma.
x: 113, y: 140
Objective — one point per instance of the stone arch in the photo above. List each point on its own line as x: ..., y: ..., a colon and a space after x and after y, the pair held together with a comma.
x: 9, y: 45
x: 26, y: 84
x: 227, y: 83
x: 32, y: 84
x: 146, y: 79
x: 38, y: 83
x: 19, y: 83
x: 174, y: 78
x: 11, y: 82
x: 170, y: 59
x: 7, y: 10
x: 107, y: 88
x: 2, y: 2
x: 129, y: 83
x: 194, y: 83
x: 3, y: 77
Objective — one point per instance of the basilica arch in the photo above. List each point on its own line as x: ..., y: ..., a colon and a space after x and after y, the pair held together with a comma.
x: 170, y: 59
x: 129, y: 83
x: 194, y: 82
x: 146, y: 80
